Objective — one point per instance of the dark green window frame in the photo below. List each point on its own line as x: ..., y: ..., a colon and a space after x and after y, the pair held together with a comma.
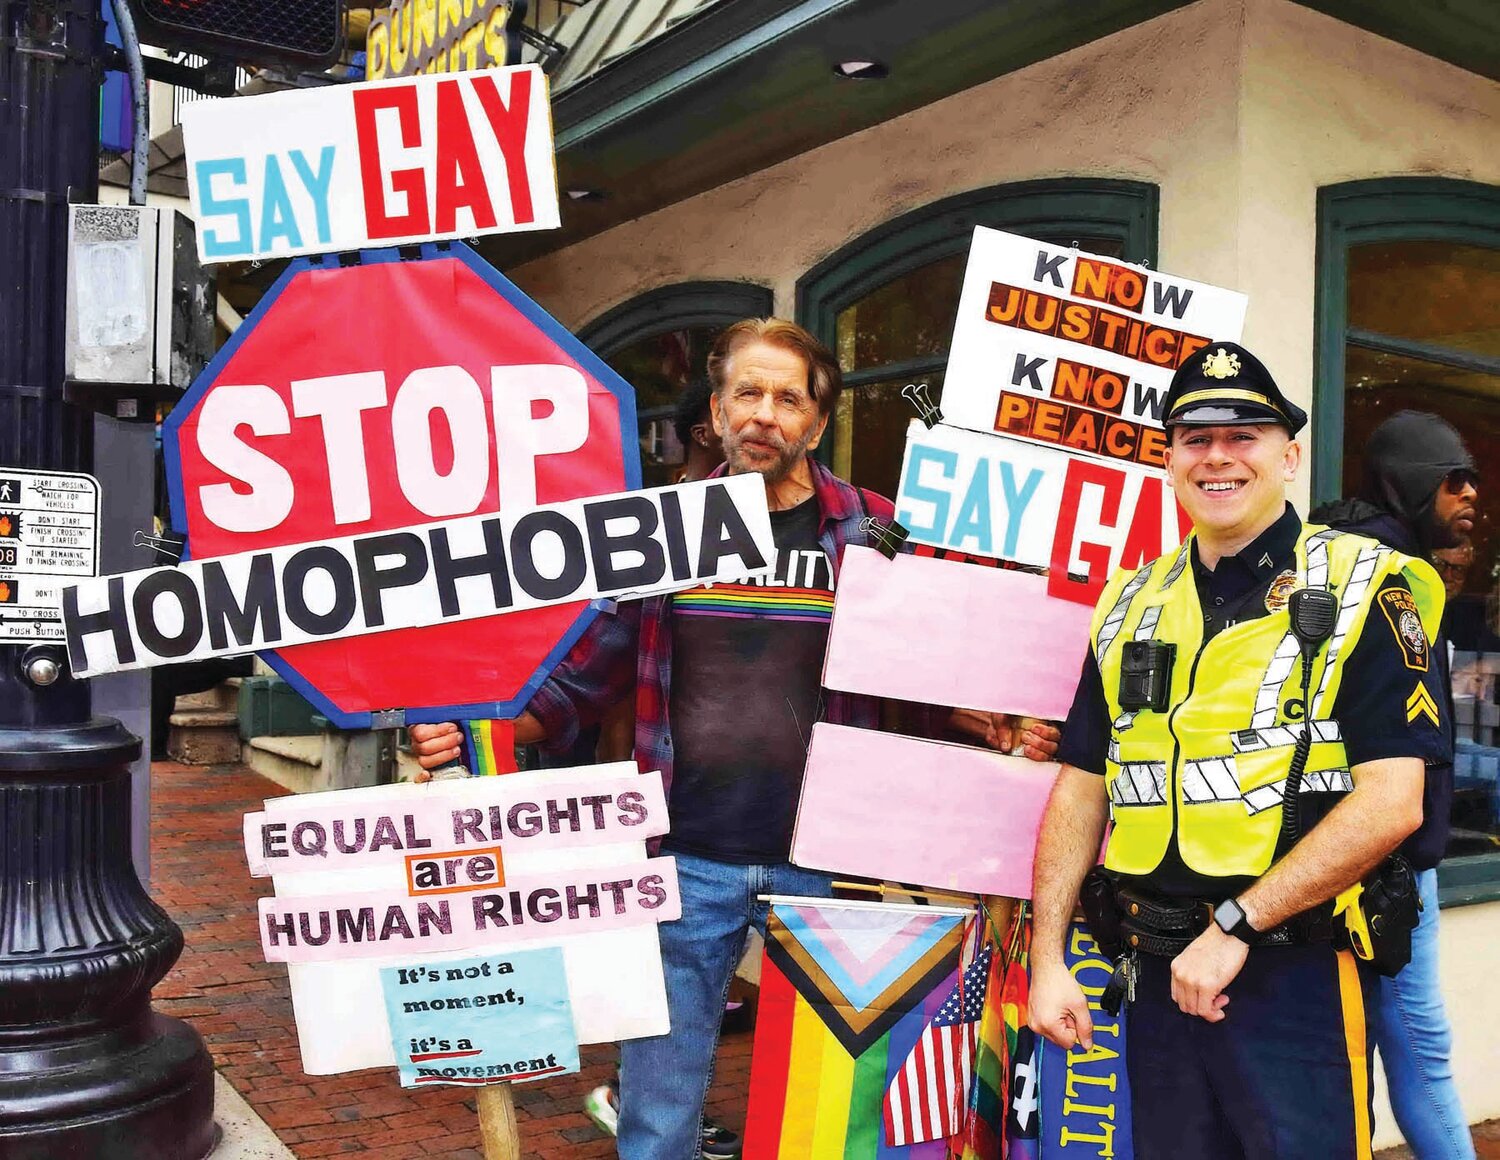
x: 1391, y: 209
x: 681, y: 304
x: 1386, y: 209
x: 678, y: 306
x: 1065, y: 207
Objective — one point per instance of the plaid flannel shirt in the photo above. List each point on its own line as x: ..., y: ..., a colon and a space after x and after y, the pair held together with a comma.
x: 634, y: 643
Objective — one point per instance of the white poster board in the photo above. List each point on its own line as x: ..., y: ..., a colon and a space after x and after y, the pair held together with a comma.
x: 616, y: 546
x: 614, y: 976
x: 1075, y: 349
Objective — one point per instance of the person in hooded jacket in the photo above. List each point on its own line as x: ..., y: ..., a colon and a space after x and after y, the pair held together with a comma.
x: 1418, y: 496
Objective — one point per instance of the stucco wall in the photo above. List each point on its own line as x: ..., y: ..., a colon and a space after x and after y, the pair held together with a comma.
x: 1122, y: 107
x: 1467, y: 958
x: 1238, y: 109
x: 1326, y: 103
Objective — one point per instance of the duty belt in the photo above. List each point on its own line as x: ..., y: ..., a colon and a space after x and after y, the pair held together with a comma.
x: 1165, y: 927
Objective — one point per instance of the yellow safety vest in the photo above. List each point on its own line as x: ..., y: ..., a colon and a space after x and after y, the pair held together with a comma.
x: 1213, y: 766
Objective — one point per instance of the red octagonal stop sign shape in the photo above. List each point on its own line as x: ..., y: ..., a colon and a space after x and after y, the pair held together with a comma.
x: 388, y: 393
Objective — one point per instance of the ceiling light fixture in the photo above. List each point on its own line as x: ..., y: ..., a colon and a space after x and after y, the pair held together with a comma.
x: 861, y: 70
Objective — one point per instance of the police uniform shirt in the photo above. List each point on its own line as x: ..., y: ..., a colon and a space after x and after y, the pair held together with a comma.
x: 1380, y: 712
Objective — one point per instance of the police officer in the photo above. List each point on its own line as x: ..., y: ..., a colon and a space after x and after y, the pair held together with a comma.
x: 1197, y: 707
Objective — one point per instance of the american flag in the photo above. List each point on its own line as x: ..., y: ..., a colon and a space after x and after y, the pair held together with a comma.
x: 926, y: 1100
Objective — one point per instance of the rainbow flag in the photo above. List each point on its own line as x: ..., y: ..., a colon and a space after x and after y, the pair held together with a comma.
x: 846, y: 990
x: 983, y: 1135
x: 489, y: 747
x: 1023, y: 1078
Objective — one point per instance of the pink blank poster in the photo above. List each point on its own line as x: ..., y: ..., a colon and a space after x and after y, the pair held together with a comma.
x: 949, y: 633
x: 946, y: 816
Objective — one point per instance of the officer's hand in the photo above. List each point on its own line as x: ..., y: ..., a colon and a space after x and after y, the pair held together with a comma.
x: 1200, y: 973
x: 1039, y: 739
x: 1059, y: 1008
x: 433, y: 745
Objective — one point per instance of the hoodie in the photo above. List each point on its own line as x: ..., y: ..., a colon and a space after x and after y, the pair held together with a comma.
x: 1424, y: 849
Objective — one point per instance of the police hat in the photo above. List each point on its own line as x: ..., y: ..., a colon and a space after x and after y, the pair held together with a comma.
x: 1224, y: 385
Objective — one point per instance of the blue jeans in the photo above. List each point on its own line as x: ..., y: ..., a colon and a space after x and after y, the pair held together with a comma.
x: 1415, y: 1046
x: 665, y: 1079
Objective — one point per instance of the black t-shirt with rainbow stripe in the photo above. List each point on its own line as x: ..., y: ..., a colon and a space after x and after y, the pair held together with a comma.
x: 747, y: 663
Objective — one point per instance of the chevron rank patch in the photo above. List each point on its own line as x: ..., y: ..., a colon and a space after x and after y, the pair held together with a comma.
x: 1421, y: 704
x: 1406, y: 623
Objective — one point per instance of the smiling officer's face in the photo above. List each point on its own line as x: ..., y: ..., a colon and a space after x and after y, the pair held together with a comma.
x: 1232, y: 480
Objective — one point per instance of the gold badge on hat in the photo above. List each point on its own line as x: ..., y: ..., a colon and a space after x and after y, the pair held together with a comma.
x: 1222, y: 364
x: 1280, y: 592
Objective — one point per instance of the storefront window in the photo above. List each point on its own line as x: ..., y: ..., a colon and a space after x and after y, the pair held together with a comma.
x: 659, y: 366
x: 658, y: 343
x: 1409, y: 318
x: 1424, y: 334
x: 895, y: 335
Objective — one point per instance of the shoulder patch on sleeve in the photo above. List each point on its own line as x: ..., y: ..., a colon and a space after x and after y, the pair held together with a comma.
x: 1406, y: 625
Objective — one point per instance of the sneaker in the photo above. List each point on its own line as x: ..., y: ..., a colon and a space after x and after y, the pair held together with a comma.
x: 719, y: 1143
x: 602, y: 1105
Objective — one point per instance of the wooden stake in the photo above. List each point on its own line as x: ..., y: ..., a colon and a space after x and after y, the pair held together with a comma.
x: 882, y: 889
x: 497, y: 1123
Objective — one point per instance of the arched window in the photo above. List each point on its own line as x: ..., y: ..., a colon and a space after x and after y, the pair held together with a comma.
x: 1408, y: 317
x: 659, y: 342
x: 886, y: 302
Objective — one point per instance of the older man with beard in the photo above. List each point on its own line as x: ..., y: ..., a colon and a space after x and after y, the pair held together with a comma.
x: 728, y: 686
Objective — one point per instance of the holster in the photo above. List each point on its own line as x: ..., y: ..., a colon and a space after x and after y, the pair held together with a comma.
x: 1101, y: 911
x: 1389, y: 909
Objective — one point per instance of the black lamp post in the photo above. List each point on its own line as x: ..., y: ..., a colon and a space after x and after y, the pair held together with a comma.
x: 87, y: 1070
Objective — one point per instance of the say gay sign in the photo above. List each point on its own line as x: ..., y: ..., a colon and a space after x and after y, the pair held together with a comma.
x: 1075, y: 515
x: 349, y: 166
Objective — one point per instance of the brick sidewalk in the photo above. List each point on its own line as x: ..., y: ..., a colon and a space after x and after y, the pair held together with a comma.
x: 242, y: 1007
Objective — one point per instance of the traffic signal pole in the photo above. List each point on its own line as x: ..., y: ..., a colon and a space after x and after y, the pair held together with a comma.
x: 87, y: 1070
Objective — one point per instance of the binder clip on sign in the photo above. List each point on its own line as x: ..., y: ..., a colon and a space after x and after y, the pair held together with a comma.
x: 929, y: 412
x: 884, y: 538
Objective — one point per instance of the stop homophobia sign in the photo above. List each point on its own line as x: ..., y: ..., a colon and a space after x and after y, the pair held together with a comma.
x: 610, y: 546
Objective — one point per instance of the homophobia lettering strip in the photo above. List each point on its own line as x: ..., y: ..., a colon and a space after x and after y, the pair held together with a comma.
x: 456, y: 570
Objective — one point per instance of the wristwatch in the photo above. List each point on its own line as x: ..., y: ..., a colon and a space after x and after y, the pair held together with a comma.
x: 1229, y: 915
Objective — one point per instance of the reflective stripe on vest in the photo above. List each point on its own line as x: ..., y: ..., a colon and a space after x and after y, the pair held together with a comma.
x: 1212, y: 769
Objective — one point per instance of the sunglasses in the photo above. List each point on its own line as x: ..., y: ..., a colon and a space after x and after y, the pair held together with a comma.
x: 1461, y: 477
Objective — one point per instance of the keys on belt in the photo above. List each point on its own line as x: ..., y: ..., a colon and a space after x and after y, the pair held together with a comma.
x: 1121, y: 986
